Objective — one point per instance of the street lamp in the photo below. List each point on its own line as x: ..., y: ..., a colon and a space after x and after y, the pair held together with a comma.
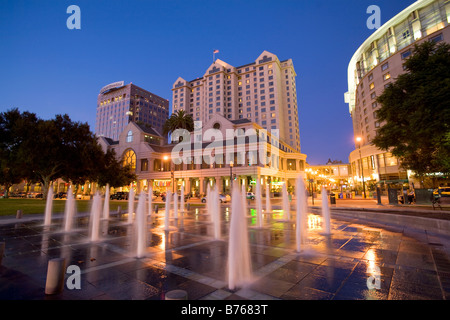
x: 359, y: 139
x: 172, y: 175
x: 231, y: 174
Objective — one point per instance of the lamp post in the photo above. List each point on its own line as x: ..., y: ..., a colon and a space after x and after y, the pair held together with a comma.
x: 172, y: 174
x: 231, y: 174
x: 359, y: 139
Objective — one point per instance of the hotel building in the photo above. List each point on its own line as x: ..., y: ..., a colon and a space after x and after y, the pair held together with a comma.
x: 256, y: 103
x: 263, y: 91
x: 119, y: 104
x: 376, y: 64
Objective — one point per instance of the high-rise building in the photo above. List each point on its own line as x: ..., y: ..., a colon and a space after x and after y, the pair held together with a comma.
x: 263, y: 91
x: 376, y: 64
x: 118, y: 104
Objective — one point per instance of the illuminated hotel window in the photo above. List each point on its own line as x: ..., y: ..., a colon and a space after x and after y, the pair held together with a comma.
x: 386, y: 76
x: 372, y: 85
x: 129, y: 158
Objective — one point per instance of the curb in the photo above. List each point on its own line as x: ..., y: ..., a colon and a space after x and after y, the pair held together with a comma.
x: 391, y: 216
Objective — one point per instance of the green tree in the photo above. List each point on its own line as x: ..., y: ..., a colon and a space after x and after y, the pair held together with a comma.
x: 113, y: 172
x: 178, y: 120
x: 15, y: 128
x: 415, y: 110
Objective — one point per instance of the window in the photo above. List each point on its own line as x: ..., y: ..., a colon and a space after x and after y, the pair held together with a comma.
x: 130, y: 136
x: 405, y: 34
x: 370, y: 77
x: 386, y: 76
x: 144, y: 164
x: 406, y: 54
x: 129, y: 159
x: 385, y: 66
x: 437, y: 38
x: 372, y: 85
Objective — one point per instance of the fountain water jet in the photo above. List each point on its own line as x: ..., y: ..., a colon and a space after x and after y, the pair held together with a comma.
x: 258, y: 203
x: 130, y: 205
x: 150, y: 200
x: 301, y: 229
x: 141, y: 226
x: 208, y: 199
x: 239, y: 262
x: 106, y: 204
x: 48, y: 207
x: 214, y: 208
x: 268, y: 205
x: 286, y: 204
x: 167, y: 210
x: 69, y: 210
x: 182, y: 199
x: 175, y: 205
x: 94, y: 220
x: 244, y: 199
x: 326, y: 212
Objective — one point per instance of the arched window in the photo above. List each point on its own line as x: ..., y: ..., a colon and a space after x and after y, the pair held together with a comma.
x: 129, y: 159
x: 130, y: 136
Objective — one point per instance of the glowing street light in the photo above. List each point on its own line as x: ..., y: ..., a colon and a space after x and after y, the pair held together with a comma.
x: 359, y: 140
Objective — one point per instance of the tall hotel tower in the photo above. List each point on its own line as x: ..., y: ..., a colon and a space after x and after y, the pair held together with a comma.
x: 262, y: 91
x: 119, y: 104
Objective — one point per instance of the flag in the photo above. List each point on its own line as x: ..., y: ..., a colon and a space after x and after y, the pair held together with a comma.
x: 216, y: 51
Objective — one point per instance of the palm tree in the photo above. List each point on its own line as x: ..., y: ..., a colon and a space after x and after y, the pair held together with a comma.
x: 178, y: 120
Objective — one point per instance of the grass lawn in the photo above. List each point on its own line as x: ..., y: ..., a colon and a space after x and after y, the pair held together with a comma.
x: 33, y: 206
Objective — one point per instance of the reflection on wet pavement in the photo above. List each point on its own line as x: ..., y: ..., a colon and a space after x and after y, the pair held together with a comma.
x: 359, y: 260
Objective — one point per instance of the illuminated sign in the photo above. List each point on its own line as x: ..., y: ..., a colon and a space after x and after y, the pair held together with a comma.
x: 112, y: 86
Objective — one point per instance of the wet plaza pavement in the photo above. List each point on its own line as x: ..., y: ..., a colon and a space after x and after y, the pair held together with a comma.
x: 360, y: 260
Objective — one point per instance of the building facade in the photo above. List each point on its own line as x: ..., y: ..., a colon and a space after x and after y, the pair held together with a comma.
x: 118, y: 104
x: 377, y: 63
x: 237, y: 160
x: 335, y: 177
x: 263, y: 91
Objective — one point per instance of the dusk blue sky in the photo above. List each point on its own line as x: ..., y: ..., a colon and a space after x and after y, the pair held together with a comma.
x: 48, y: 69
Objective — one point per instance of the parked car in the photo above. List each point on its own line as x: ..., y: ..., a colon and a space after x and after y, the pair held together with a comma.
x: 250, y: 195
x: 119, y: 196
x: 442, y: 191
x: 222, y: 198
x: 80, y: 196
x: 60, y: 195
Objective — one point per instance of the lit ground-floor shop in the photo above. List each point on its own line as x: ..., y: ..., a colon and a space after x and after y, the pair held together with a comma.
x: 195, y: 182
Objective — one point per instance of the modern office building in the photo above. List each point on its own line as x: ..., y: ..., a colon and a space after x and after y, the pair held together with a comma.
x: 376, y: 64
x: 118, y: 104
x: 262, y: 91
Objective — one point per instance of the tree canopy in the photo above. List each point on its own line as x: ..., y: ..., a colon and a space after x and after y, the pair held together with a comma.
x: 42, y: 151
x: 415, y: 112
x: 178, y: 120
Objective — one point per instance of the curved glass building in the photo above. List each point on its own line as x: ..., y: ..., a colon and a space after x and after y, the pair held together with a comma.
x: 377, y: 63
